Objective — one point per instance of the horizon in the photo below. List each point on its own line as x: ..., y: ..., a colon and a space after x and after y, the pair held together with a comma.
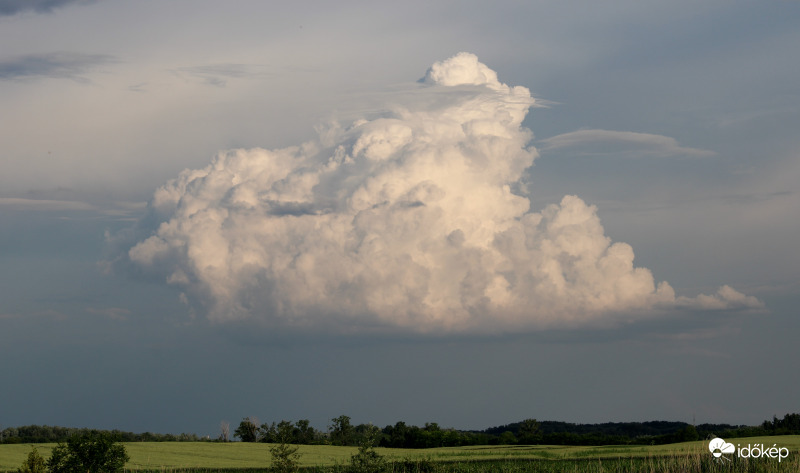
x: 327, y: 428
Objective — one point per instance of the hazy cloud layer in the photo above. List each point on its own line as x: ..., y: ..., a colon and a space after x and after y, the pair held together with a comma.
x: 593, y: 141
x: 218, y: 74
x: 59, y: 65
x: 12, y: 7
x: 411, y: 220
x: 22, y: 204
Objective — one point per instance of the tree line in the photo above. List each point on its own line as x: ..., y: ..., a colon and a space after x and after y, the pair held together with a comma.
x: 639, y: 433
x: 341, y: 431
x: 54, y: 434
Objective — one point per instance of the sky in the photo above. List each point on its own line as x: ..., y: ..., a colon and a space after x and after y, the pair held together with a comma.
x: 453, y: 212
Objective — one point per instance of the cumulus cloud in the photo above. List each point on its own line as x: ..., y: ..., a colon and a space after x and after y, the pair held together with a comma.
x: 406, y: 221
x: 726, y: 297
x: 621, y: 142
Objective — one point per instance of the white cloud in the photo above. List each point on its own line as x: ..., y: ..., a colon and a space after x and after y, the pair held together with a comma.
x: 406, y: 221
x: 619, y: 142
x: 725, y: 298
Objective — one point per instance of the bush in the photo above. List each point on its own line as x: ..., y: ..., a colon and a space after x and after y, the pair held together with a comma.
x: 93, y: 452
x: 35, y: 463
x: 367, y: 460
x: 285, y: 458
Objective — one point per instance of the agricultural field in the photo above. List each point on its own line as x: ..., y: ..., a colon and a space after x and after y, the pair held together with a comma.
x: 206, y: 457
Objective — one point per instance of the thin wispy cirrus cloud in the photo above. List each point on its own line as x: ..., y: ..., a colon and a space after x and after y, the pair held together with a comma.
x: 621, y: 143
x: 114, y: 313
x: 403, y: 221
x: 219, y: 74
x: 32, y: 205
x: 56, y: 65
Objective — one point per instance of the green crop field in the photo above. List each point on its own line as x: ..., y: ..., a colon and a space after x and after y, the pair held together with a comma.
x: 178, y: 456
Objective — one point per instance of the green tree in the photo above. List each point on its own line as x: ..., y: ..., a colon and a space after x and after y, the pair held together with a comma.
x: 688, y: 434
x: 507, y: 438
x: 285, y: 432
x: 398, y: 435
x: 92, y: 452
x: 303, y: 432
x: 529, y: 432
x: 247, y: 430
x: 285, y: 458
x: 341, y: 431
x: 35, y: 463
x: 367, y: 460
x: 268, y: 433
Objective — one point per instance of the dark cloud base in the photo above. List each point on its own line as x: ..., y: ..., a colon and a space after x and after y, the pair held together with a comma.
x: 56, y: 65
x: 13, y: 7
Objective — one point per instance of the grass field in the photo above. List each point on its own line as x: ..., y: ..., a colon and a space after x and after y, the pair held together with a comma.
x: 177, y: 456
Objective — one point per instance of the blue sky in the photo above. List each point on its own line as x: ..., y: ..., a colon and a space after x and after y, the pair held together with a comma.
x: 676, y: 121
